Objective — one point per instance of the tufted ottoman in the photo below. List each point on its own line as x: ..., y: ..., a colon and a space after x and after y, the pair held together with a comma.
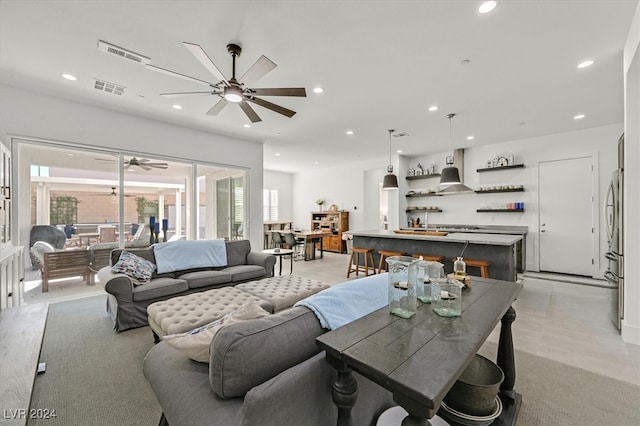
x: 283, y: 291
x: 184, y: 313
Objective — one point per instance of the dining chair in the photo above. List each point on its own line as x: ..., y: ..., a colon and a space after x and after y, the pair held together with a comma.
x: 294, y: 244
x: 277, y: 240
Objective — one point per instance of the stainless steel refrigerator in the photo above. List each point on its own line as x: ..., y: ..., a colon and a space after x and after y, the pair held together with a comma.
x: 614, y: 224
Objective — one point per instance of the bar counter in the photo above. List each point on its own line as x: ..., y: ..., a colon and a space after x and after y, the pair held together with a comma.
x: 499, y: 249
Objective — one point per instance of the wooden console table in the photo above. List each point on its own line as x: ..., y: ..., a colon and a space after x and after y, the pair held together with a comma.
x: 419, y: 359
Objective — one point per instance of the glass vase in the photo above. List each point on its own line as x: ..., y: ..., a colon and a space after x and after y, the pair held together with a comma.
x: 426, y: 271
x: 446, y: 297
x: 403, y: 300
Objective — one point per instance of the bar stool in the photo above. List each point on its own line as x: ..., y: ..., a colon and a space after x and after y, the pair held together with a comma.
x: 368, y: 255
x: 429, y: 257
x: 479, y: 263
x: 386, y: 253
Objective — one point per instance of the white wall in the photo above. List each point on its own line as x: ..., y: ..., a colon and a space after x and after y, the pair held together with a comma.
x: 33, y: 115
x: 283, y: 182
x: 343, y: 186
x: 631, y: 321
x: 599, y: 142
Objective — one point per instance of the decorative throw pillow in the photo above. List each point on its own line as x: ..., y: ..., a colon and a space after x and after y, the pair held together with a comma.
x: 196, y: 343
x: 135, y: 267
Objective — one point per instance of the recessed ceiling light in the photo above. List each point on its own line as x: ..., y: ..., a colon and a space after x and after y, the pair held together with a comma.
x: 318, y: 90
x: 176, y: 106
x: 487, y: 6
x: 433, y: 108
x: 69, y: 77
x: 315, y: 162
x: 470, y: 137
x: 349, y: 132
x: 399, y: 151
x: 578, y: 117
x: 246, y: 126
x: 277, y: 133
x: 277, y: 154
x: 69, y: 155
x: 585, y: 64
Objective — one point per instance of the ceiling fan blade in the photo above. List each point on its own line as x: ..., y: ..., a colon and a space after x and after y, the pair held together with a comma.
x: 106, y: 160
x: 157, y: 165
x: 182, y: 94
x: 177, y: 74
x: 218, y: 107
x: 283, y: 91
x: 250, y: 112
x: 202, y: 57
x: 258, y: 70
x: 143, y: 167
x: 273, y: 107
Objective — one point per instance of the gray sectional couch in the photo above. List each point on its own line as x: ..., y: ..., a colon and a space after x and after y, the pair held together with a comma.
x: 262, y: 372
x: 127, y: 303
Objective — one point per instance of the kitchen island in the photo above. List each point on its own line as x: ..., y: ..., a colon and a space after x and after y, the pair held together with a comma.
x: 499, y: 249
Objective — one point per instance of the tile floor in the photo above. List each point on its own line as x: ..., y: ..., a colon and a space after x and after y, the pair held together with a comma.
x: 562, y: 321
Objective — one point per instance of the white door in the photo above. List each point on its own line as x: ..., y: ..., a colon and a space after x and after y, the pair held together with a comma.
x: 566, y: 216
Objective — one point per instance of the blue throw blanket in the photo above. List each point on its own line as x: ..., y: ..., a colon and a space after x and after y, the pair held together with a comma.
x: 181, y: 255
x: 348, y: 301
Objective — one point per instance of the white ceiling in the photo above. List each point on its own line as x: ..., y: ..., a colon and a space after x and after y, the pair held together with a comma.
x: 381, y: 63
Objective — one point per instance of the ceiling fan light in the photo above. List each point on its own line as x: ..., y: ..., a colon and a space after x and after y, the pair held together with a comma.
x: 233, y: 94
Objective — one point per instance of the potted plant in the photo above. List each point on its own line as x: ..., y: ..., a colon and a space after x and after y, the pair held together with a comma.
x: 320, y: 202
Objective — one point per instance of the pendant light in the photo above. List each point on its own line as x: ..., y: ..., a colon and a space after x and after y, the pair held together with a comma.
x: 390, y: 180
x: 450, y: 178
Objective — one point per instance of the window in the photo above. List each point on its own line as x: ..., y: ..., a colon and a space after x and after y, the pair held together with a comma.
x: 270, y: 205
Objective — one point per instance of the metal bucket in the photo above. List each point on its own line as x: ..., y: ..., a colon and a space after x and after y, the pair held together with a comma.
x: 475, y: 391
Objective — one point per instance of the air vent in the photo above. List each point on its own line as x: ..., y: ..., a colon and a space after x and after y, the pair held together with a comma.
x: 123, y: 53
x: 105, y: 86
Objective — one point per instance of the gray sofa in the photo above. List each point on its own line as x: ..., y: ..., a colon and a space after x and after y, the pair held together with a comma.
x: 127, y: 303
x: 266, y: 371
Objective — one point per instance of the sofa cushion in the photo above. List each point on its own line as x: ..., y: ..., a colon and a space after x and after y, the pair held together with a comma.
x: 159, y: 287
x: 135, y: 267
x: 196, y: 343
x: 145, y: 253
x: 248, y: 353
x: 245, y: 272
x: 237, y: 252
x: 205, y: 278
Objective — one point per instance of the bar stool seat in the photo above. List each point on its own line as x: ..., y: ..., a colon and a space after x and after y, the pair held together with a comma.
x: 429, y: 257
x: 479, y: 263
x: 368, y: 256
x: 386, y: 253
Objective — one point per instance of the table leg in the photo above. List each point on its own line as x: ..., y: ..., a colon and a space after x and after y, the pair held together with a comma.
x: 321, y: 250
x: 505, y: 359
x: 280, y: 264
x: 344, y: 391
x: 291, y: 266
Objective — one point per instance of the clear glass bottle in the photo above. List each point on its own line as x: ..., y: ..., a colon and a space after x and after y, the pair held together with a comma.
x: 459, y: 268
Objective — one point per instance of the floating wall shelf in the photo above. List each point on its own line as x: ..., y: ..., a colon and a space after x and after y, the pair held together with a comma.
x: 429, y: 194
x: 493, y: 169
x: 493, y: 191
x: 424, y: 209
x: 500, y: 210
x: 423, y: 176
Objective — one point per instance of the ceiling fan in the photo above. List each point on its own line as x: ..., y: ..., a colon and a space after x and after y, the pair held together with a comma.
x: 114, y: 194
x: 235, y: 90
x: 143, y: 163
